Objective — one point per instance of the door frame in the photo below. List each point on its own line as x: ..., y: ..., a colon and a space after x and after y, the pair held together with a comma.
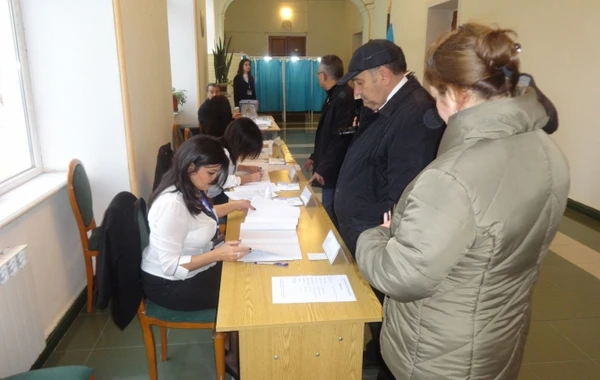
x: 267, y: 35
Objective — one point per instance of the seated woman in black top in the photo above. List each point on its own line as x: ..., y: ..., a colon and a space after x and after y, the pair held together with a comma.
x: 217, y: 116
x: 243, y: 83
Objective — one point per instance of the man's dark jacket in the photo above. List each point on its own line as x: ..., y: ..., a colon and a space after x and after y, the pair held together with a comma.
x: 387, y: 152
x: 118, y: 269
x: 330, y: 148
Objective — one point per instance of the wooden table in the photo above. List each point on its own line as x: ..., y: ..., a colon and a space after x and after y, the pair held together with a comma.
x: 273, y: 130
x: 295, y: 341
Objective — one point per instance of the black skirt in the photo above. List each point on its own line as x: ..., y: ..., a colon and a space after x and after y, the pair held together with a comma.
x: 197, y: 293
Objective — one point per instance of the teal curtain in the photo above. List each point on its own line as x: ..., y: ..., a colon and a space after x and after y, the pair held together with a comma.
x: 269, y: 92
x: 297, y: 85
x: 318, y: 95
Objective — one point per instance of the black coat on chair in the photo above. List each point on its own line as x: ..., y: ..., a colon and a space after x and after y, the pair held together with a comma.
x: 118, y: 269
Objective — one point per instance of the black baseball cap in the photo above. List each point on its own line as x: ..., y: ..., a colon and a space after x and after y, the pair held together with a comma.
x: 373, y: 54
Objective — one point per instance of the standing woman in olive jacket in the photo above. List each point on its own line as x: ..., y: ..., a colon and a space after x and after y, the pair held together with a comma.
x: 243, y: 83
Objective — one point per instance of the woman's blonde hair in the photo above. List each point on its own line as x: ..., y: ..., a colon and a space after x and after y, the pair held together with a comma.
x: 474, y: 57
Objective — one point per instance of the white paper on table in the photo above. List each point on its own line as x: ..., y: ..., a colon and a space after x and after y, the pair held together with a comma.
x: 288, y: 186
x: 316, y: 256
x: 276, y: 161
x: 273, y: 168
x: 287, y: 251
x: 249, y: 237
x: 293, y: 201
x: 272, y: 226
x: 258, y: 256
x: 270, y: 208
x: 250, y: 219
x: 309, y: 289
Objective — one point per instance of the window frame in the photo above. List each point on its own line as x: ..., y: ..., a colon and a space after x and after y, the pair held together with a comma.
x: 27, y: 96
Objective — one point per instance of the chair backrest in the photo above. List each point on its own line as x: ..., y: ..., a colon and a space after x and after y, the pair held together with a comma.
x: 80, y: 195
x: 187, y: 133
x: 142, y: 220
x: 177, y: 136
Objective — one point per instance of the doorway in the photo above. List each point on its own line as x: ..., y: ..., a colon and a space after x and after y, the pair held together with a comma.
x: 441, y: 18
x: 357, y: 39
x: 286, y: 46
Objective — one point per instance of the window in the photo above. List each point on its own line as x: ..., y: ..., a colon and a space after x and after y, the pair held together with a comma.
x: 19, y: 154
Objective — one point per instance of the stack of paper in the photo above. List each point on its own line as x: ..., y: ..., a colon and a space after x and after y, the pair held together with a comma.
x: 270, y: 231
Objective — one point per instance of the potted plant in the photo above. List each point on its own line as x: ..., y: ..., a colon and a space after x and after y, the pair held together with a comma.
x: 179, y: 99
x: 222, y: 61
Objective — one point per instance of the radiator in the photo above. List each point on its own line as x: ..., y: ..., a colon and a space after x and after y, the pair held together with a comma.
x: 21, y: 333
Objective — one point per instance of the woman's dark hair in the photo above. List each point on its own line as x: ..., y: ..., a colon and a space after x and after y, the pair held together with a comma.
x: 475, y: 57
x: 218, y: 116
x: 241, y: 67
x: 243, y: 139
x: 193, y: 154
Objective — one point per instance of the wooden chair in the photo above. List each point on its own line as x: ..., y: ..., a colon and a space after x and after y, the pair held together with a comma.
x: 80, y: 196
x: 187, y: 133
x: 67, y: 372
x: 177, y: 136
x: 151, y: 314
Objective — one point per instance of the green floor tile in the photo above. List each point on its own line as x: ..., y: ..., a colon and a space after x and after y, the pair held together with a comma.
x: 113, y: 337
x: 554, y: 259
x: 121, y: 364
x: 58, y: 359
x: 554, y: 304
x: 576, y: 370
x: 94, y: 310
x: 545, y: 344
x: 581, y: 233
x: 526, y: 374
x: 583, y: 219
x: 189, y: 361
x: 83, y: 333
x: 584, y: 333
x: 179, y: 336
x: 132, y: 336
x: 570, y: 277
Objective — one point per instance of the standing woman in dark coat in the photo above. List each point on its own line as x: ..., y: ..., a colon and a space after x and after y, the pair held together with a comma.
x: 243, y: 83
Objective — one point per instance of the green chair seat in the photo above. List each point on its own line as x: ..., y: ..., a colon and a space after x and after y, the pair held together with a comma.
x: 200, y: 316
x: 94, y: 239
x: 62, y: 373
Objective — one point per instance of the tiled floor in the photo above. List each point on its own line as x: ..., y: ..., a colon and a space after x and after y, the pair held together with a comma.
x: 563, y: 343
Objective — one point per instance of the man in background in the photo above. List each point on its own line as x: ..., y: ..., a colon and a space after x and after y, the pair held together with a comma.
x: 212, y: 90
x: 330, y: 141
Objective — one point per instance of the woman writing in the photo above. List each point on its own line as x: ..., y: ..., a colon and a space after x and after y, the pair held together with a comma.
x: 462, y: 252
x: 243, y: 83
x: 181, y: 267
x: 217, y: 116
x: 242, y: 139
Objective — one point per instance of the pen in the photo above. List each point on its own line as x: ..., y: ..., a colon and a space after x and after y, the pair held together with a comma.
x: 270, y: 263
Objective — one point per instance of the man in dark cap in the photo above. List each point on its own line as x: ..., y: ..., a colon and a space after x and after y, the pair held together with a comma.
x: 397, y: 137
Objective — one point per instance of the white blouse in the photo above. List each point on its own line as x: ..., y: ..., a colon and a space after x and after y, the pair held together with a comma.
x: 176, y: 236
x: 231, y: 181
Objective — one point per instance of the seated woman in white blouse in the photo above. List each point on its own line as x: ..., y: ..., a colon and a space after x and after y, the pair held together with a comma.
x: 181, y: 267
x: 242, y: 140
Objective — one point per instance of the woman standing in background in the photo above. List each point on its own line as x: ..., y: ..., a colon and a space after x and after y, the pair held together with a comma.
x: 243, y: 83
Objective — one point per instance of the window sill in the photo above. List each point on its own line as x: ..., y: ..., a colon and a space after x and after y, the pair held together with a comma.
x: 23, y: 198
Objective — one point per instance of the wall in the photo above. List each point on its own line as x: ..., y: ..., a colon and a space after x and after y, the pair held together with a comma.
x: 75, y: 83
x: 146, y: 53
x: 563, y: 63
x: 54, y: 252
x: 182, y: 46
x: 76, y: 86
x: 250, y: 24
